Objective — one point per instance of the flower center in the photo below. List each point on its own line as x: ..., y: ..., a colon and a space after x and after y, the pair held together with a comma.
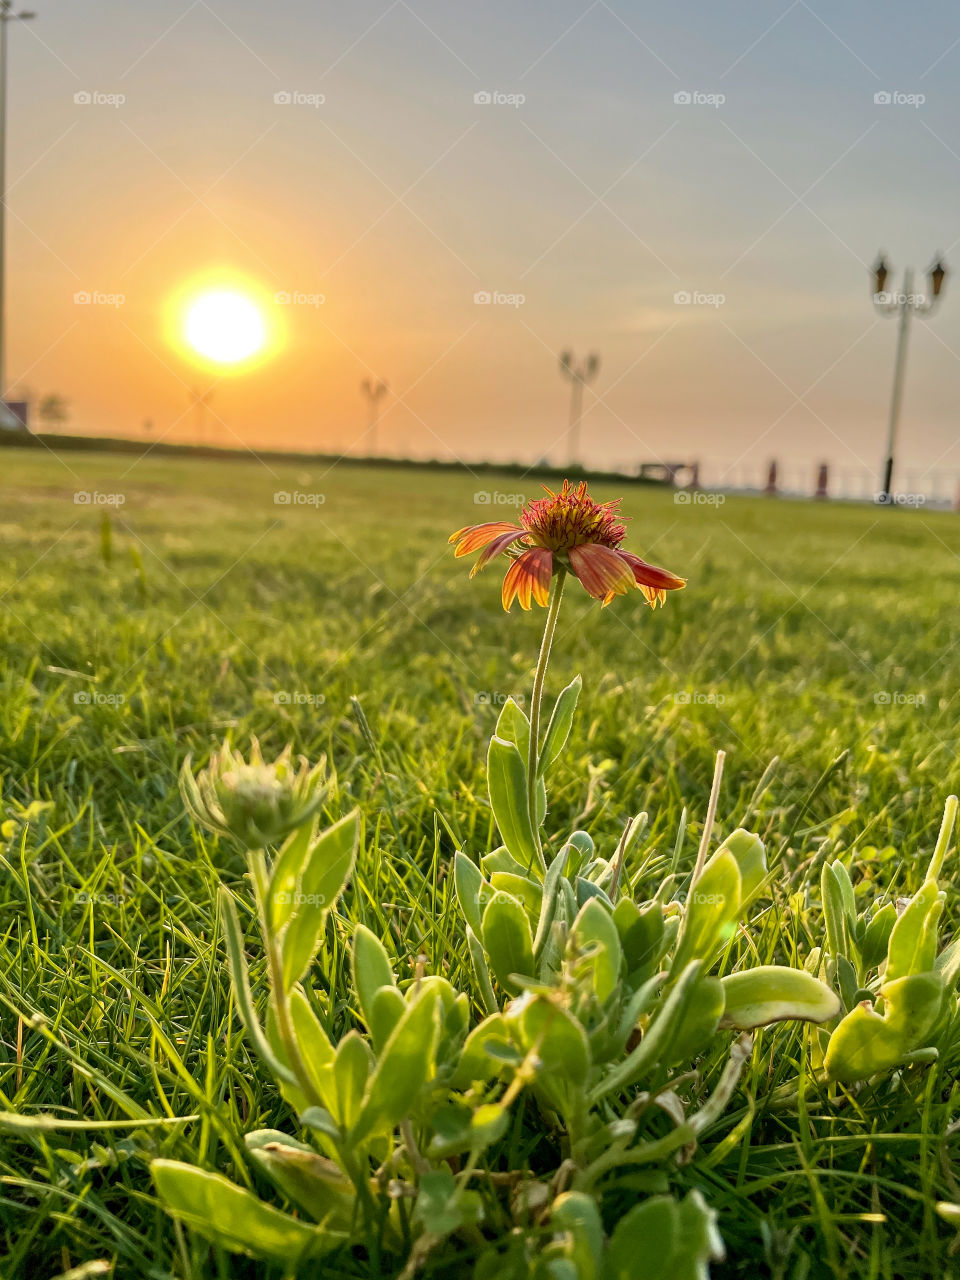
x: 571, y: 518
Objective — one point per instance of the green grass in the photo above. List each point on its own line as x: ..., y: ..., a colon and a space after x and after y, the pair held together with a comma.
x: 214, y: 599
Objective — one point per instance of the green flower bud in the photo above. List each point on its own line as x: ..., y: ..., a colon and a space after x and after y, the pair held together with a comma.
x: 256, y: 803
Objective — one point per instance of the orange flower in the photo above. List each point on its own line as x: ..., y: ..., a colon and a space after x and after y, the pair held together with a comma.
x: 568, y: 531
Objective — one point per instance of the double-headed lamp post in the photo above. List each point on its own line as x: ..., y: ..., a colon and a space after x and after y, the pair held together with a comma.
x: 8, y: 13
x: 579, y: 375
x: 902, y: 305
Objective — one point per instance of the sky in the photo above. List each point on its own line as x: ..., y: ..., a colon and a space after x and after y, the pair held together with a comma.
x: 696, y: 192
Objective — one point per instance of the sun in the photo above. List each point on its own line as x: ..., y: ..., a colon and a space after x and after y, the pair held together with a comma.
x: 225, y: 326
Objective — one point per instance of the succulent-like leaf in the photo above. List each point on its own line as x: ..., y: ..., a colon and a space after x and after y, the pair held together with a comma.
x: 594, y: 936
x: 774, y: 993
x: 371, y: 968
x: 325, y: 871
x: 507, y: 940
x: 711, y: 911
x: 507, y: 784
x: 315, y: 1184
x: 234, y: 1218
x: 866, y: 1041
x: 404, y: 1067
x: 561, y: 720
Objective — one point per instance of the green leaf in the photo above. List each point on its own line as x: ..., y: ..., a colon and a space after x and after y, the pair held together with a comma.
x: 441, y: 1207
x: 326, y: 870
x: 285, y: 878
x: 316, y: 1051
x: 481, y: 971
x: 748, y: 850
x: 404, y: 1067
x: 771, y: 993
x: 322, y: 1121
x: 876, y: 938
x: 473, y: 892
x: 698, y: 1240
x: 513, y: 725
x: 507, y: 940
x: 500, y: 860
x: 594, y: 935
x: 867, y: 1042
x: 507, y: 784
x: 641, y: 937
x: 529, y: 892
x: 351, y: 1067
x: 833, y: 910
x: 644, y: 1241
x: 549, y: 900
x: 655, y: 1045
x: 698, y: 1021
x: 313, y: 1183
x: 371, y: 970
x: 386, y: 1011
x: 712, y: 906
x: 561, y: 720
x: 913, y: 939
x: 538, y: 1023
x: 576, y: 1213
x: 234, y: 1218
x: 476, y: 1063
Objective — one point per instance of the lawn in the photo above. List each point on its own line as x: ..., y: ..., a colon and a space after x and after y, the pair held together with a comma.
x: 815, y: 644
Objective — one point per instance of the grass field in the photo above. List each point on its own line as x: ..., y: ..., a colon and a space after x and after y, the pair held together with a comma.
x: 824, y: 636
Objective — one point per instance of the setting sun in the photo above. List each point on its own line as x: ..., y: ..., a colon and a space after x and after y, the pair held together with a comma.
x: 225, y: 327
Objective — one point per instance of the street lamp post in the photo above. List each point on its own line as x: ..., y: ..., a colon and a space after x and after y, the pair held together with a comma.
x: 7, y: 14
x: 579, y: 375
x: 374, y: 393
x: 902, y: 305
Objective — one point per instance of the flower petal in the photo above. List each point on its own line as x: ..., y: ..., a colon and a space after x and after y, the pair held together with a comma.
x: 474, y: 536
x: 494, y: 548
x: 538, y: 564
x: 649, y: 575
x: 511, y: 584
x: 603, y: 571
x: 528, y: 578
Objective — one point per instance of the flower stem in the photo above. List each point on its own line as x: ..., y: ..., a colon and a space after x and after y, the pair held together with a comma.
x: 533, y: 758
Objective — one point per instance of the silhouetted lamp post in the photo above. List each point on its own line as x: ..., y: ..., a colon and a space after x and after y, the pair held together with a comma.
x: 902, y: 305
x: 579, y: 375
x: 7, y: 14
x: 374, y: 393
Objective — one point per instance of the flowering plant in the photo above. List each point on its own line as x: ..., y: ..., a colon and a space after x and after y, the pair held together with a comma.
x: 592, y: 994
